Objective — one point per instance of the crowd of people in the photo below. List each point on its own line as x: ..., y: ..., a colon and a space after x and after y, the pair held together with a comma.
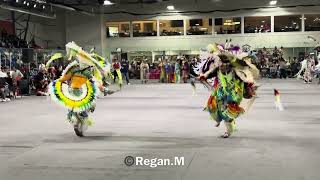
x: 168, y: 70
x: 273, y: 65
x: 13, y: 41
x: 9, y: 83
x: 176, y: 70
x: 24, y: 81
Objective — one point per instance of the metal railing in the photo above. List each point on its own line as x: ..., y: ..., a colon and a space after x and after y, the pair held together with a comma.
x: 13, y: 57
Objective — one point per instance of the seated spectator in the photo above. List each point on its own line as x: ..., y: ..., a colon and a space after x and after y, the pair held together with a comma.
x: 10, y: 85
x: 16, y: 75
x: 3, y: 86
x: 41, y: 83
x: 2, y: 73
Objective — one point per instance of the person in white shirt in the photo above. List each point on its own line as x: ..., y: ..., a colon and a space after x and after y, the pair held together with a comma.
x: 2, y: 74
x: 16, y: 74
x: 3, y: 90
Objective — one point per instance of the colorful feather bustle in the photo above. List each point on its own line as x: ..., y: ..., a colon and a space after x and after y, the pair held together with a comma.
x: 84, y: 100
x: 53, y: 58
x: 278, y: 103
x: 120, y: 82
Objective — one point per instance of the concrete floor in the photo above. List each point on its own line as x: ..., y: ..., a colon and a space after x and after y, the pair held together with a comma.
x: 163, y: 121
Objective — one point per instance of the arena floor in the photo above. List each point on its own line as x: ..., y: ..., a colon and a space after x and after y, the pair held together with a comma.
x: 164, y: 121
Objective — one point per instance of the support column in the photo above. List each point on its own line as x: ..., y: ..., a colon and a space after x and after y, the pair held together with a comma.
x: 242, y: 25
x: 184, y: 27
x: 303, y: 20
x: 153, y: 56
x: 103, y: 35
x: 272, y: 24
x: 131, y: 29
x: 212, y: 23
x: 26, y: 30
x: 158, y: 27
x: 13, y: 19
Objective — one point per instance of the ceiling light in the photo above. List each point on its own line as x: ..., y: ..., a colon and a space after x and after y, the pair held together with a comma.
x: 35, y: 5
x: 272, y: 3
x: 170, y: 7
x: 25, y: 11
x: 24, y: 2
x: 107, y: 3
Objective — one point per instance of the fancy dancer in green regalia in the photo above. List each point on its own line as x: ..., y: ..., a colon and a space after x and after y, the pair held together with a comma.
x: 230, y: 76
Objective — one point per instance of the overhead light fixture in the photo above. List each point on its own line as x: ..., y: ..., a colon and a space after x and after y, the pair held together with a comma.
x: 170, y: 7
x: 35, y: 5
x: 22, y: 10
x: 24, y: 2
x: 273, y: 3
x: 107, y: 3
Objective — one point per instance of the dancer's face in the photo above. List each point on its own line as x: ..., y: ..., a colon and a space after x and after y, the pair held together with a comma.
x: 225, y: 67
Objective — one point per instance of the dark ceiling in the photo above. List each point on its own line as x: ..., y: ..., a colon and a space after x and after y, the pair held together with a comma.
x: 159, y: 7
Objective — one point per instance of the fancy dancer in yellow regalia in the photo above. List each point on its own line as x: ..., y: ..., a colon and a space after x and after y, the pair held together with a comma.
x: 78, y: 87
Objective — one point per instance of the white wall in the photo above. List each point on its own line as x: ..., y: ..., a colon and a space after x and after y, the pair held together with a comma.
x: 85, y: 30
x: 269, y: 40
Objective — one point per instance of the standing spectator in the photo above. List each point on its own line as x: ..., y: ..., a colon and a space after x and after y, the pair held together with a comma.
x: 185, y: 71
x: 167, y: 69
x: 177, y: 71
x: 116, y: 66
x: 192, y: 66
x: 283, y: 67
x: 172, y: 71
x: 16, y: 75
x: 162, y: 70
x: 309, y: 70
x: 144, y: 70
x: 125, y: 70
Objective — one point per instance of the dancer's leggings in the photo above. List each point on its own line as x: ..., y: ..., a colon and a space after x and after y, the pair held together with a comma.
x: 230, y: 126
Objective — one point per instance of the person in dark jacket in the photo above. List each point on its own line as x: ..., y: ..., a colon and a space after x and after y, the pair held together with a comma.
x: 125, y: 70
